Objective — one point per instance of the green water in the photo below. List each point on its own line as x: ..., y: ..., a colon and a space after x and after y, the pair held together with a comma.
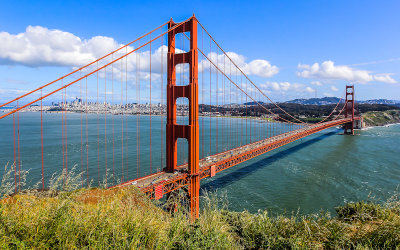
x: 318, y: 172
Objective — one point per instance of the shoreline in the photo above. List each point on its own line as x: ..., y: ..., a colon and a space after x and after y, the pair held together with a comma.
x: 381, y: 126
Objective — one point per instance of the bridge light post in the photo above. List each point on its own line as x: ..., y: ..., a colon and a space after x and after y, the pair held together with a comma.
x: 189, y: 132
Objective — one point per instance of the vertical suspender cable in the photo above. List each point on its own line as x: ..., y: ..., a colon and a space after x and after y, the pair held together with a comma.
x: 41, y: 135
x: 122, y: 125
x: 80, y: 106
x: 105, y: 123
x: 66, y: 137
x: 19, y: 154
x: 217, y: 93
x: 87, y: 137
x: 202, y: 96
x: 241, y: 120
x: 15, y: 159
x: 151, y: 155
x: 162, y: 105
x: 210, y: 152
x: 98, y: 128
x: 112, y: 118
x: 62, y: 130
x: 138, y: 114
x: 224, y: 102
x: 126, y: 118
x: 247, y: 114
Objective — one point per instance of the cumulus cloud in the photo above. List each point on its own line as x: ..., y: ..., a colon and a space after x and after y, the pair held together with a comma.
x: 310, y: 90
x: 333, y: 88
x: 39, y: 46
x: 256, y: 67
x: 285, y: 87
x: 328, y: 70
x: 316, y: 83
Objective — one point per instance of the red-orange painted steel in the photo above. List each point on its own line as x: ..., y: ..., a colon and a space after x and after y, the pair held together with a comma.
x: 158, y: 192
x: 189, y: 91
x: 183, y: 179
x: 349, y: 110
x: 212, y: 171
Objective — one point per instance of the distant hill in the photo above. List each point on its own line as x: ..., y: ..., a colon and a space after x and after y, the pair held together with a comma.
x: 316, y: 101
x: 253, y: 103
x: 334, y: 100
x: 380, y: 101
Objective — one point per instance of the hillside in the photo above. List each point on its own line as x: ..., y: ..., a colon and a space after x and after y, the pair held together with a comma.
x: 380, y: 118
x: 125, y: 219
x: 334, y: 100
x: 316, y: 101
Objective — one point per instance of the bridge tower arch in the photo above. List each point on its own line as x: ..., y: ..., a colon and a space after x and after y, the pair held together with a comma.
x: 349, y: 110
x: 189, y: 132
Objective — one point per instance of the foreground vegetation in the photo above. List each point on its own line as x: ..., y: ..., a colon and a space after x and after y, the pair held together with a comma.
x: 124, y: 218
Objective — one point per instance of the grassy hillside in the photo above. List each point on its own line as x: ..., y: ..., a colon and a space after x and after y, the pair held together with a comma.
x: 380, y: 118
x: 125, y: 219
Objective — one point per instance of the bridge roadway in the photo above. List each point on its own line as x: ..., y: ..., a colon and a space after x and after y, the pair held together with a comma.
x: 161, y: 183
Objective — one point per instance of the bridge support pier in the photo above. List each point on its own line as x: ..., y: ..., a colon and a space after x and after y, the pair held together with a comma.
x: 349, y: 110
x: 189, y: 132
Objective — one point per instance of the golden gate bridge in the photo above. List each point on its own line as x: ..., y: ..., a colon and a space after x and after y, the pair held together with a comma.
x: 156, y: 104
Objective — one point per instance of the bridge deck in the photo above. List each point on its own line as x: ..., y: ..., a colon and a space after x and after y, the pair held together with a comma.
x: 167, y: 182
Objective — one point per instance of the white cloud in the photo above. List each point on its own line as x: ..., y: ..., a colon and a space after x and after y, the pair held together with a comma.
x: 384, y: 78
x: 327, y: 94
x: 316, y: 83
x: 333, y: 88
x: 310, y: 90
x: 285, y: 87
x: 39, y: 46
x: 256, y: 67
x: 328, y: 70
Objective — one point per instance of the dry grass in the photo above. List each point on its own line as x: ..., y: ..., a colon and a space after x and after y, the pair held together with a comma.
x: 126, y: 219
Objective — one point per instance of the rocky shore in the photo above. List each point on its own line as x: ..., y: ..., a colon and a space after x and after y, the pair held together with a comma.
x: 381, y: 118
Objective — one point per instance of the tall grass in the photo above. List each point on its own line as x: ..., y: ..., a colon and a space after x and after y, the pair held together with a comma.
x: 125, y: 219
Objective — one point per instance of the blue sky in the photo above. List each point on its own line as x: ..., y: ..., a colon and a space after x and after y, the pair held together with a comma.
x: 318, y: 46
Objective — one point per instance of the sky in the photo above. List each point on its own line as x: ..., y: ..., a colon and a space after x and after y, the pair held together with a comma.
x: 290, y: 49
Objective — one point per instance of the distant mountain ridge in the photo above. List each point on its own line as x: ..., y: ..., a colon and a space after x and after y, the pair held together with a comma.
x: 316, y: 101
x: 335, y: 100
